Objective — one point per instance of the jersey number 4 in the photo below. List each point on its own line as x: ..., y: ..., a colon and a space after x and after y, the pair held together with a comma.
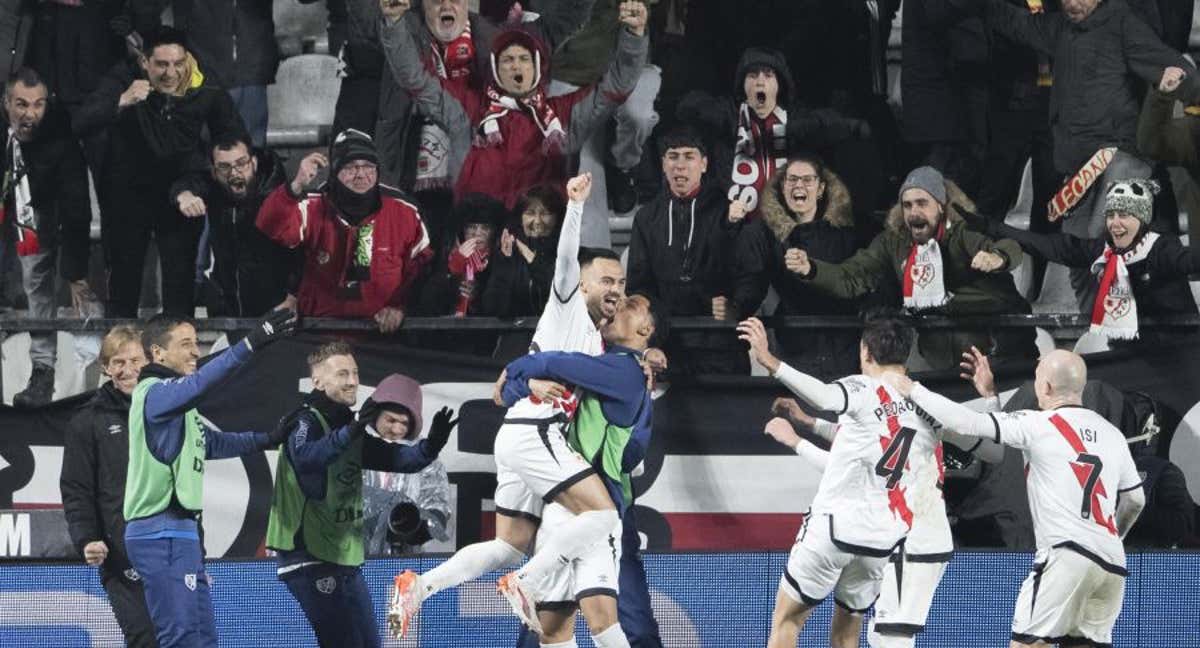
x: 895, y: 456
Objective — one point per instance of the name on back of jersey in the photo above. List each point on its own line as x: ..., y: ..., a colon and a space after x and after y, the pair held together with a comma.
x: 897, y: 408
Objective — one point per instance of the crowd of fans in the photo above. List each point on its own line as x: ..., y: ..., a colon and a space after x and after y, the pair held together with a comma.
x: 755, y: 139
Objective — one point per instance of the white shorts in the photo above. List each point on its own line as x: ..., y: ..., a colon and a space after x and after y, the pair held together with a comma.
x: 909, y: 583
x: 817, y: 566
x: 533, y: 465
x: 594, y: 573
x: 1068, y: 596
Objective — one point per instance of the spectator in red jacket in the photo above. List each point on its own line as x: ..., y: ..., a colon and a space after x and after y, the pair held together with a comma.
x: 509, y: 135
x: 364, y: 243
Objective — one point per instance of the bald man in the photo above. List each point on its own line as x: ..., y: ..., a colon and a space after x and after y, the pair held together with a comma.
x: 1084, y: 494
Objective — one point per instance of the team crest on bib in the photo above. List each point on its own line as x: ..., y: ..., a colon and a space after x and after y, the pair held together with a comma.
x: 189, y: 581
x: 326, y: 585
x: 923, y: 273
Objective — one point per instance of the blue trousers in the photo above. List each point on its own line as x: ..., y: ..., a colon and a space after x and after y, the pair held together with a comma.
x: 633, y: 602
x: 337, y: 603
x: 177, y: 593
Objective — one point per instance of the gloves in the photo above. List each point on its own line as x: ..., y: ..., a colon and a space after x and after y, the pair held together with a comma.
x: 277, y: 324
x: 974, y: 221
x: 366, y: 418
x: 439, y: 430
x: 279, y: 434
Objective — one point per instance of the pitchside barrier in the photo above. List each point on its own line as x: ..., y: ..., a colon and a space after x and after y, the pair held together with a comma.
x: 718, y: 600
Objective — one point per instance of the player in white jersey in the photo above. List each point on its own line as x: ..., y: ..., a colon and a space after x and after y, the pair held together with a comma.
x: 918, y: 564
x: 863, y: 508
x: 586, y: 289
x: 1084, y: 495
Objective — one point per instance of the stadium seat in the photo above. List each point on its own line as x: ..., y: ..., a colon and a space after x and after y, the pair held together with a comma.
x: 302, y: 101
x: 301, y: 28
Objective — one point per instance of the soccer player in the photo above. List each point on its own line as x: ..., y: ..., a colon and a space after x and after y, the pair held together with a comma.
x: 316, y: 522
x: 884, y: 451
x: 1084, y: 495
x: 918, y: 565
x: 164, y: 490
x: 587, y: 287
x: 611, y: 430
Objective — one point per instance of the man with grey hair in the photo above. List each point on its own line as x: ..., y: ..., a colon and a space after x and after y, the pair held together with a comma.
x: 1084, y: 494
x: 939, y: 267
x: 45, y: 209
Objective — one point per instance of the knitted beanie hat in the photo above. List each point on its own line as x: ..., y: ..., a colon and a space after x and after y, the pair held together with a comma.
x: 927, y: 178
x: 1134, y: 196
x: 351, y: 145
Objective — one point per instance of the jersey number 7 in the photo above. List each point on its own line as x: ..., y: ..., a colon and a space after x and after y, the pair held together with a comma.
x: 1092, y: 464
x: 895, y: 456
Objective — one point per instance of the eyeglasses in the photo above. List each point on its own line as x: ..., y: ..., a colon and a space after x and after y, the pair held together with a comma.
x: 806, y: 180
x: 225, y: 168
x: 359, y: 168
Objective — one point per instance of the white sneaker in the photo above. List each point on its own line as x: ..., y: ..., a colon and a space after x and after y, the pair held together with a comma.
x: 405, y: 602
x: 522, y: 600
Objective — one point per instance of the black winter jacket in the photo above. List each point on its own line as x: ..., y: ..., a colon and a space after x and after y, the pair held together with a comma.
x: 252, y: 273
x: 95, y: 457
x: 1101, y: 66
x: 1159, y: 282
x: 516, y: 287
x: 234, y: 40
x: 153, y: 143
x: 59, y: 187
x: 684, y: 265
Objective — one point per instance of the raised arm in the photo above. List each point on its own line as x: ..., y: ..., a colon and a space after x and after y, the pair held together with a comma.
x: 595, y: 104
x: 818, y: 394
x: 559, y: 20
x: 566, y: 263
x: 431, y: 99
x: 168, y: 399
x: 1039, y: 31
x: 1161, y: 136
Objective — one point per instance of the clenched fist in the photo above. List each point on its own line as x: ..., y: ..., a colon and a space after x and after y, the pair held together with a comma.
x: 987, y: 261
x: 796, y: 261
x: 191, y: 205
x: 309, y: 167
x: 579, y: 188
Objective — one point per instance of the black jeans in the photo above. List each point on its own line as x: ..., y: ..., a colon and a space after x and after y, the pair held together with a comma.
x: 128, y: 600
x: 132, y: 217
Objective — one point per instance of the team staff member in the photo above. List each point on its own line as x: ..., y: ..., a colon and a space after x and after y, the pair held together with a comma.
x: 168, y: 445
x: 316, y: 521
x: 95, y: 454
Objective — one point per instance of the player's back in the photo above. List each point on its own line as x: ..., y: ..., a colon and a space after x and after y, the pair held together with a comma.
x: 879, y: 462
x: 1076, y: 464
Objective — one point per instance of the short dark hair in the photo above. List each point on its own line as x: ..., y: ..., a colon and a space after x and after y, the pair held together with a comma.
x: 229, y: 141
x: 549, y: 197
x: 888, y: 337
x: 328, y: 350
x: 164, y: 35
x: 682, y: 137
x: 27, y: 77
x: 157, y: 331
x: 589, y: 254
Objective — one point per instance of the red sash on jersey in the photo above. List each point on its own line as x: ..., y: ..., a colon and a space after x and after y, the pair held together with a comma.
x: 1083, y: 471
x: 897, y: 504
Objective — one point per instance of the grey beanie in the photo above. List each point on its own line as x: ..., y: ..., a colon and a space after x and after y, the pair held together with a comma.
x: 927, y: 178
x: 1134, y: 196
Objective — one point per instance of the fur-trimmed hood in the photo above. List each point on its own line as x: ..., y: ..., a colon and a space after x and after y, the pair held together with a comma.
x: 954, y: 195
x: 838, y: 210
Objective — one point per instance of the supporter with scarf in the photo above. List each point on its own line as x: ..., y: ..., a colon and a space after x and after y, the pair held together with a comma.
x: 941, y: 269
x: 1137, y: 272
x: 768, y: 126
x: 364, y: 242
x: 518, y: 136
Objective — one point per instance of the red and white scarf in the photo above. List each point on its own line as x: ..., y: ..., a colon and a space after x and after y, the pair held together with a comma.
x: 554, y: 138
x: 16, y: 185
x: 454, y: 60
x: 1115, y: 313
x: 924, y: 279
x: 761, y: 151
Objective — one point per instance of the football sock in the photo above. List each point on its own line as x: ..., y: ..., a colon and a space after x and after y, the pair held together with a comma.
x: 613, y: 637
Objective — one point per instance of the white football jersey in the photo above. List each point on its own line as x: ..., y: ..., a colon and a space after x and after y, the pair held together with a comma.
x: 1076, y: 464
x: 883, y: 465
x: 563, y: 326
